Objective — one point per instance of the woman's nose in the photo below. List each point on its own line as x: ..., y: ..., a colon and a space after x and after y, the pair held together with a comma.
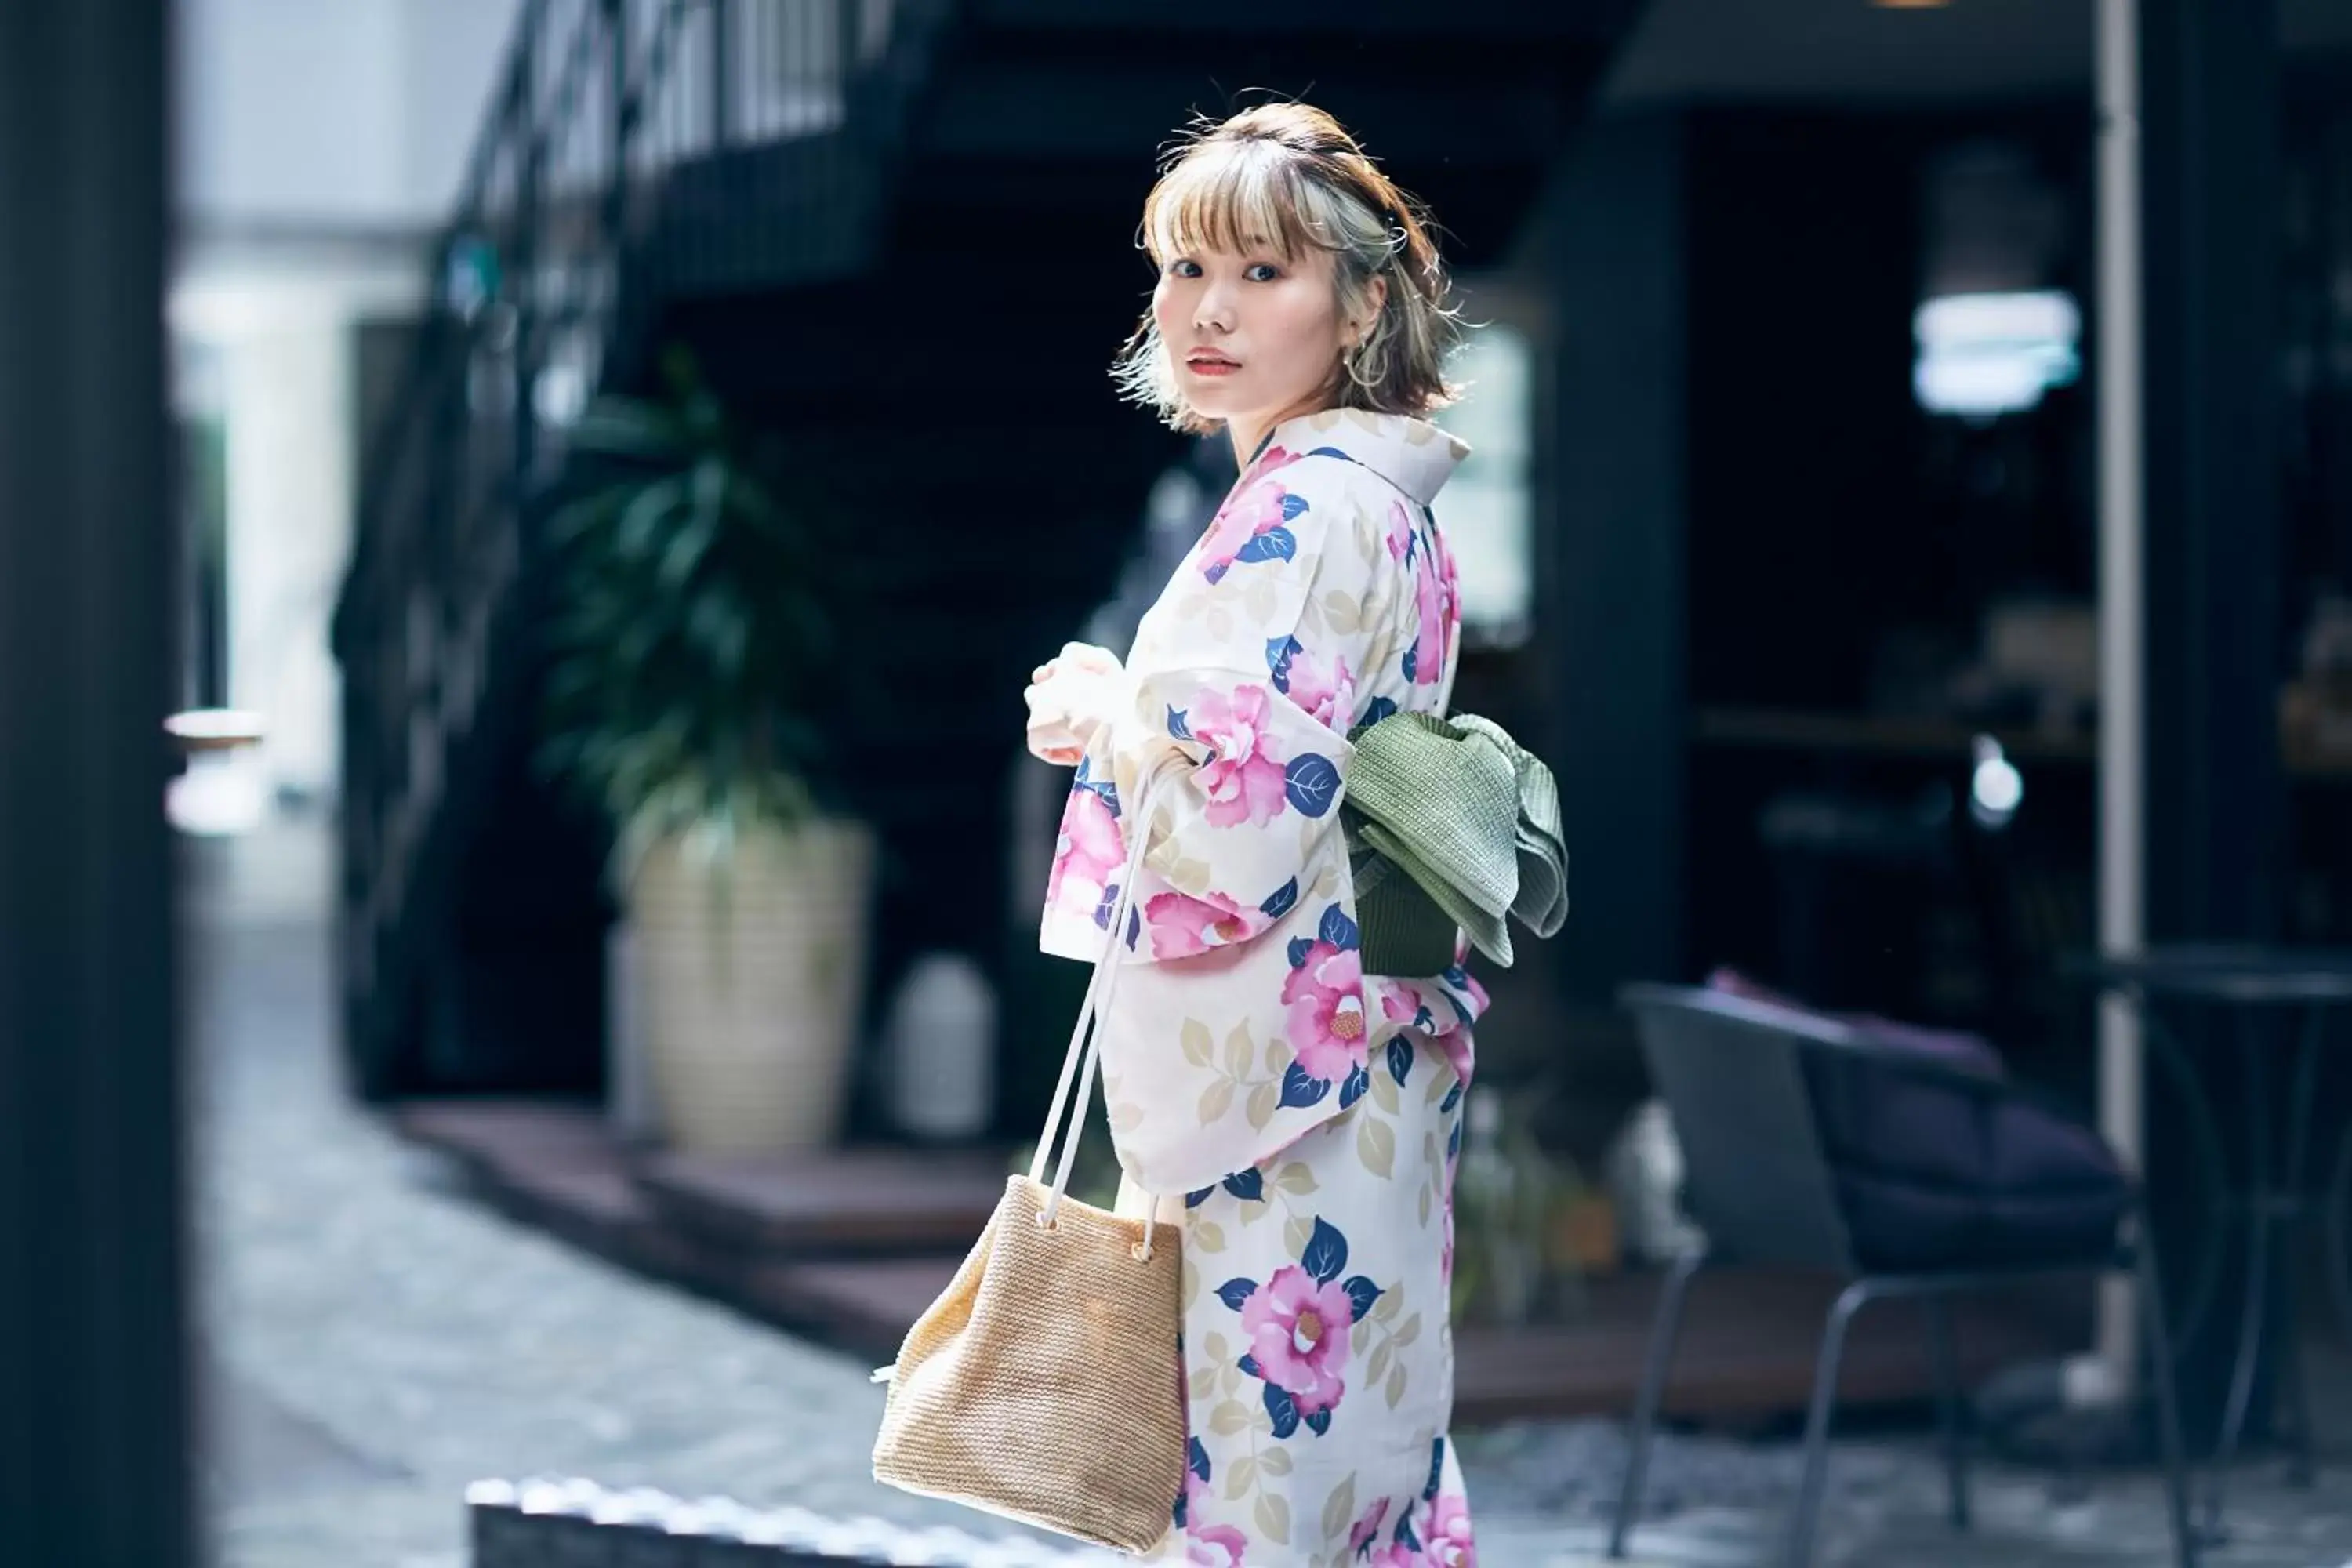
x: 1214, y: 311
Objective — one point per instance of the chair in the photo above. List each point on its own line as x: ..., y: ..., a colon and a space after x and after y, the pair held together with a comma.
x: 1811, y: 1142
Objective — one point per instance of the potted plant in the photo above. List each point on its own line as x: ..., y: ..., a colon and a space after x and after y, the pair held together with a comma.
x: 690, y: 644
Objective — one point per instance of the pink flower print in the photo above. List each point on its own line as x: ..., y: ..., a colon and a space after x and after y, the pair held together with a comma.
x: 1325, y: 993
x: 1087, y: 854
x: 1214, y: 1545
x: 1272, y: 458
x: 1399, y: 530
x: 1298, y: 1331
x: 1328, y: 696
x: 1406, y: 1002
x: 1477, y: 992
x: 1245, y: 779
x: 1450, y: 1542
x: 1449, y: 579
x: 1395, y: 1555
x: 1359, y: 1539
x: 1183, y: 926
x: 1259, y: 506
x: 1427, y: 660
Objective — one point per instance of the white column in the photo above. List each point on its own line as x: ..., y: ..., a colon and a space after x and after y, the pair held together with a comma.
x: 2121, y: 819
x: 288, y: 396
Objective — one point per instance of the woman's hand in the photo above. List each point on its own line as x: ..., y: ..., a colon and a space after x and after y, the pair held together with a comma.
x: 1071, y: 697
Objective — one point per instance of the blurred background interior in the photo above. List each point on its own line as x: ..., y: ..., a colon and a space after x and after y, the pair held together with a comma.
x: 574, y: 402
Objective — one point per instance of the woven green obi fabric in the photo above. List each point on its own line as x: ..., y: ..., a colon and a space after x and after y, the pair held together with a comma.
x: 1450, y: 824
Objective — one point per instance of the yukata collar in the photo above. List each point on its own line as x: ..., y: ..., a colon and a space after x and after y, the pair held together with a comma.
x: 1412, y: 454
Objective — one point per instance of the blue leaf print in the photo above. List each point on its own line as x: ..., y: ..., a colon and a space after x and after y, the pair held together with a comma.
x: 1197, y: 1455
x: 1293, y: 507
x: 1312, y: 782
x: 1461, y: 1008
x: 1338, y: 929
x: 1353, y: 1090
x: 1320, y: 1423
x: 1234, y: 1293
x: 1436, y: 1470
x: 1332, y: 452
x: 1276, y: 543
x: 1179, y: 723
x: 1453, y: 1097
x: 1249, y: 1366
x: 1300, y: 946
x: 1420, y: 1019
x: 1379, y: 708
x: 1284, y: 1409
x: 1454, y: 974
x: 1411, y: 663
x: 1363, y: 1293
x: 1193, y: 1200
x: 1215, y: 572
x: 1406, y: 1537
x: 1401, y: 1056
x: 1326, y: 1253
x: 1134, y: 925
x: 1299, y: 1090
x: 1247, y: 1185
x: 1280, y: 902
x: 1279, y: 651
x: 1454, y: 1143
x: 1177, y: 1513
x: 1102, y: 910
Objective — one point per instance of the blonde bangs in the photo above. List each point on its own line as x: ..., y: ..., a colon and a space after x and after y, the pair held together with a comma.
x: 1234, y: 197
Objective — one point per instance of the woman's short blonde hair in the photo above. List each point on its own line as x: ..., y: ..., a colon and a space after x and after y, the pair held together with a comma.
x: 1288, y: 174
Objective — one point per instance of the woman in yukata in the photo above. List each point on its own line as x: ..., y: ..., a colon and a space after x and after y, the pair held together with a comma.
x: 1299, y: 1117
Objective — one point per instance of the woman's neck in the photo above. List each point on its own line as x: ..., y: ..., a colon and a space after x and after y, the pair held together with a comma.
x: 1248, y: 435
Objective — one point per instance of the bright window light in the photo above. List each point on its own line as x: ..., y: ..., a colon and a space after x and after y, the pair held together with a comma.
x: 1484, y: 509
x: 1983, y: 354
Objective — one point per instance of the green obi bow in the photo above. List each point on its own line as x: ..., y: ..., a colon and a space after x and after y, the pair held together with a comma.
x: 1449, y: 823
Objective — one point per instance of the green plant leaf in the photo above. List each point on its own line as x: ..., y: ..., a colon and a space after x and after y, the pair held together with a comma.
x: 642, y: 522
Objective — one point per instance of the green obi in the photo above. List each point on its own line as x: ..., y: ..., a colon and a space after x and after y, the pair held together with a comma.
x: 1450, y: 824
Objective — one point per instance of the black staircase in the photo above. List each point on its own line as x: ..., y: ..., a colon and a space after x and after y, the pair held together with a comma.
x: 635, y: 151
x: 903, y: 231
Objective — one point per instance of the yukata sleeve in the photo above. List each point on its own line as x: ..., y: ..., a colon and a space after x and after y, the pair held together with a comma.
x: 1242, y: 1020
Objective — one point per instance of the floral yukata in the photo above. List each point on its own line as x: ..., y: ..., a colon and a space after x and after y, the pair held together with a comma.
x: 1302, y: 1118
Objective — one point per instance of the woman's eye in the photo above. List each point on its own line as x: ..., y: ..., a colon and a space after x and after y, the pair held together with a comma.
x: 1183, y: 269
x: 1262, y: 272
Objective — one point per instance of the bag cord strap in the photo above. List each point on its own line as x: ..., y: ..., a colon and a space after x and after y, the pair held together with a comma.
x: 1080, y: 1063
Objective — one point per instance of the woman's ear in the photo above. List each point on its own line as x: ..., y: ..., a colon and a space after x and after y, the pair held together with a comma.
x: 1375, y: 299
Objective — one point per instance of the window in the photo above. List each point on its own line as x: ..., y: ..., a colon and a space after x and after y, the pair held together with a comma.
x: 1485, y: 507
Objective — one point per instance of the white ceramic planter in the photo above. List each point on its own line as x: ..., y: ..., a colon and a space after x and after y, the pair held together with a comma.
x: 749, y: 977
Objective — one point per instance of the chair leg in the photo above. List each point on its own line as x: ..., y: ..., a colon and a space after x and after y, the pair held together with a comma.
x: 2167, y: 1403
x: 1947, y: 1407
x: 1806, y: 1521
x: 1666, y: 1328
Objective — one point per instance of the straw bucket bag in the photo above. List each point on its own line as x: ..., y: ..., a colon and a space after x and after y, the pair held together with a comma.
x: 1045, y: 1384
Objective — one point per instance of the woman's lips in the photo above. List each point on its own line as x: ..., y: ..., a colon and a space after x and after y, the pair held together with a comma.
x: 1211, y: 364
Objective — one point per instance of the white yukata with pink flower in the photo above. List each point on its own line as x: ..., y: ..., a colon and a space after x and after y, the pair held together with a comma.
x: 1300, y: 1116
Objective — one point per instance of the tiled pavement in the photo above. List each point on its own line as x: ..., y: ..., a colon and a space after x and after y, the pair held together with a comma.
x: 378, y: 1343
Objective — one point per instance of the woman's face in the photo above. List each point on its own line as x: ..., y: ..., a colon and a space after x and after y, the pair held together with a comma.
x: 1253, y: 339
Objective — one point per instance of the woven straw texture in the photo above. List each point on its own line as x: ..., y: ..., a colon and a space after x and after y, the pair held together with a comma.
x: 1044, y: 1383
x: 1450, y: 823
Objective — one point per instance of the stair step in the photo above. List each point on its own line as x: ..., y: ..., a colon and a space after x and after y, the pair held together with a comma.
x: 1747, y: 1347
x: 827, y: 1201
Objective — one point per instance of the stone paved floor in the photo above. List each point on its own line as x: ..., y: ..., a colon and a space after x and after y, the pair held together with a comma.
x: 376, y: 1342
